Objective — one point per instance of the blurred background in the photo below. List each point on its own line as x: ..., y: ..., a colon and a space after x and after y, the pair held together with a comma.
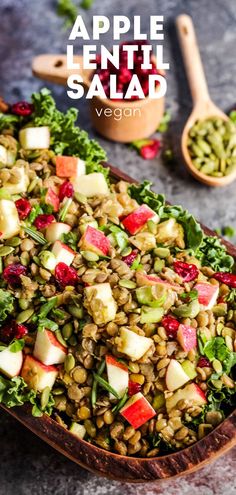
x: 32, y: 27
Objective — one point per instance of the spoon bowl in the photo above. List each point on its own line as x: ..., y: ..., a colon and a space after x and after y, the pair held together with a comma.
x: 203, y: 106
x: 121, y: 120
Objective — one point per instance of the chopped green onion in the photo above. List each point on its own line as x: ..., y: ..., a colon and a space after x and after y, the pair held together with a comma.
x: 104, y: 384
x: 35, y: 235
x: 121, y: 403
x: 95, y: 384
x: 64, y: 209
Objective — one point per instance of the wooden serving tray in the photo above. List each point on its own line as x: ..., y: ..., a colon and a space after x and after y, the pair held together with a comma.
x: 131, y: 469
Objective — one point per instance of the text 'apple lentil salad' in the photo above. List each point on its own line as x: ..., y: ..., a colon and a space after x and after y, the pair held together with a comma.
x: 117, y: 314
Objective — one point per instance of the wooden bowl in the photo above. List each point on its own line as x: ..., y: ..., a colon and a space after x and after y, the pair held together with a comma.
x: 139, y: 120
x: 132, y: 469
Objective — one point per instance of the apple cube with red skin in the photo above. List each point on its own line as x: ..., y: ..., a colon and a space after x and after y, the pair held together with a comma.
x: 10, y: 362
x: 55, y: 231
x: 51, y: 198
x: 118, y: 376
x: 63, y: 253
x: 37, y: 375
x: 191, y: 392
x: 187, y: 337
x: 69, y: 166
x: 175, y: 375
x: 47, y: 349
x: 94, y: 240
x: 143, y: 279
x: 207, y: 294
x: 137, y: 410
x: 136, y: 220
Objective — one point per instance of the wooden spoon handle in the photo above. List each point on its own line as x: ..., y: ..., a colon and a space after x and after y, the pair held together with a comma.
x: 54, y: 68
x: 192, y: 59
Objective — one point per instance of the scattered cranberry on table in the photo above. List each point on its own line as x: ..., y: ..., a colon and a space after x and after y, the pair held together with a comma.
x: 22, y: 108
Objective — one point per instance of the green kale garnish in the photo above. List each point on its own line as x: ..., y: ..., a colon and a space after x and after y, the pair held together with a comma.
x: 6, y: 304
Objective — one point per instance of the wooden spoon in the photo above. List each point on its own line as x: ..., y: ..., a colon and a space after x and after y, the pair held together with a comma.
x: 121, y: 121
x: 203, y: 106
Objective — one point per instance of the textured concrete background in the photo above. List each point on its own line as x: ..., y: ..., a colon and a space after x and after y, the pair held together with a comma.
x: 30, y: 27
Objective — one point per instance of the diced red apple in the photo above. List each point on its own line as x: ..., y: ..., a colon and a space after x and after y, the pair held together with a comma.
x: 192, y: 393
x: 136, y: 220
x: 51, y: 198
x: 101, y: 293
x: 10, y: 362
x: 187, y: 337
x: 175, y: 375
x: 207, y: 294
x: 118, y: 376
x: 37, y: 375
x: 90, y: 185
x: 137, y: 410
x: 32, y: 138
x: 47, y: 349
x: 94, y: 240
x: 9, y: 219
x: 69, y: 166
x: 55, y: 231
x: 144, y: 279
x: 62, y: 253
x: 132, y: 344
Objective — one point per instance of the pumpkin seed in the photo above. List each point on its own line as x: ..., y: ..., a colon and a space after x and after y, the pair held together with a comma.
x: 126, y: 251
x: 58, y: 391
x: 73, y: 340
x: 60, y: 338
x: 24, y: 315
x: 67, y: 330
x: 14, y: 242
x: 128, y: 284
x: 76, y: 311
x: 89, y: 256
x: 81, y: 198
x: 159, y: 265
x: 5, y: 250
x: 162, y: 252
x: 69, y: 363
x: 212, y: 146
x: 45, y: 397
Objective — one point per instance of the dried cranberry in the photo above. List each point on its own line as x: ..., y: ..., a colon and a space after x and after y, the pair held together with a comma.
x: 187, y: 271
x: 65, y: 275
x: 11, y: 331
x: 129, y: 259
x: 42, y: 221
x: 12, y: 274
x: 226, y: 278
x: 23, y: 207
x: 149, y: 150
x: 170, y: 325
x: 66, y: 190
x: 134, y: 388
x: 22, y: 108
x: 203, y: 362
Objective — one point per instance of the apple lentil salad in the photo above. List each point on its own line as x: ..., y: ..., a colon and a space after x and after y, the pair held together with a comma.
x: 117, y: 313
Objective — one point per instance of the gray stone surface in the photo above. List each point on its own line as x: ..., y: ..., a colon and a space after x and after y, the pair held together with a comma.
x: 30, y: 27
